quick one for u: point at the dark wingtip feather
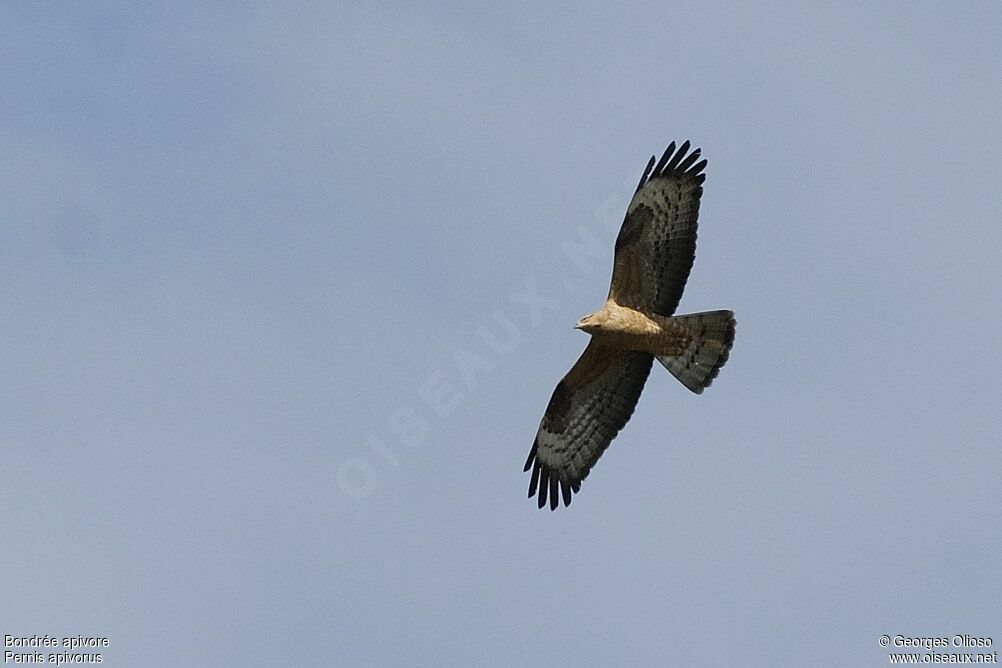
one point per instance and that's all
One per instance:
(677, 158)
(697, 168)
(647, 173)
(532, 456)
(535, 480)
(547, 486)
(685, 164)
(664, 158)
(677, 163)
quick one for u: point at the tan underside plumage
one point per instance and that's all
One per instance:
(626, 328)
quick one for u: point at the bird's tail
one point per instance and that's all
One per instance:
(712, 337)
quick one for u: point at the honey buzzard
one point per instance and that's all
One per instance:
(654, 253)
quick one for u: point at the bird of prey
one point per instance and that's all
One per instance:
(654, 253)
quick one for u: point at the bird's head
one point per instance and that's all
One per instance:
(592, 322)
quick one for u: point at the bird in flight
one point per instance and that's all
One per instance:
(654, 253)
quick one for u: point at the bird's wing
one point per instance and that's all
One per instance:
(657, 242)
(588, 408)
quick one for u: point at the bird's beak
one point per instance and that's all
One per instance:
(579, 325)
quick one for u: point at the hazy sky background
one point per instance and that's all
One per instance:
(285, 290)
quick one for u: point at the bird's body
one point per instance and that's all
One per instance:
(625, 328)
(655, 250)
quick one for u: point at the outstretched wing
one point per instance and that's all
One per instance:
(657, 242)
(588, 408)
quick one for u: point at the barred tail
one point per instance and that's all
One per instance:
(713, 336)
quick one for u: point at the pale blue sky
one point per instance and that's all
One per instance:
(287, 288)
